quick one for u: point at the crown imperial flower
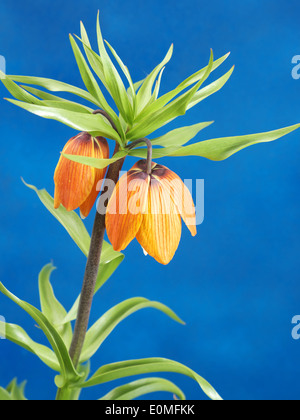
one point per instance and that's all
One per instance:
(149, 208)
(75, 183)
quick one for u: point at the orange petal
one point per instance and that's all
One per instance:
(180, 195)
(101, 152)
(160, 231)
(125, 208)
(74, 181)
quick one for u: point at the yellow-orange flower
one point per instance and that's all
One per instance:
(149, 208)
(75, 183)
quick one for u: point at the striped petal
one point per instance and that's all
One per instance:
(160, 230)
(74, 181)
(126, 207)
(101, 151)
(180, 195)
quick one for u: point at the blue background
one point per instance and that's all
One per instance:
(237, 283)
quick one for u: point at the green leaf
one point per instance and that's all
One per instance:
(75, 227)
(169, 112)
(17, 335)
(54, 86)
(17, 391)
(199, 74)
(125, 71)
(157, 85)
(210, 89)
(57, 102)
(157, 153)
(86, 74)
(222, 148)
(68, 372)
(94, 124)
(95, 162)
(93, 58)
(17, 91)
(4, 395)
(145, 91)
(128, 368)
(112, 318)
(142, 387)
(136, 86)
(68, 106)
(110, 259)
(46, 95)
(51, 307)
(181, 135)
(114, 81)
(69, 220)
(171, 141)
(96, 64)
(163, 100)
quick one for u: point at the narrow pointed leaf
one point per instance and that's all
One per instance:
(94, 124)
(222, 148)
(181, 135)
(157, 153)
(194, 78)
(68, 106)
(17, 391)
(128, 368)
(88, 77)
(74, 226)
(5, 395)
(124, 69)
(114, 81)
(94, 162)
(142, 387)
(171, 141)
(113, 317)
(17, 91)
(86, 74)
(54, 86)
(50, 99)
(202, 75)
(51, 307)
(145, 91)
(94, 59)
(210, 89)
(68, 372)
(44, 95)
(136, 86)
(157, 85)
(110, 259)
(169, 112)
(69, 220)
(17, 335)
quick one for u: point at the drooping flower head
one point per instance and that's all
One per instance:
(149, 207)
(75, 183)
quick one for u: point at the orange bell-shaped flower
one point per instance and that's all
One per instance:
(149, 208)
(75, 183)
